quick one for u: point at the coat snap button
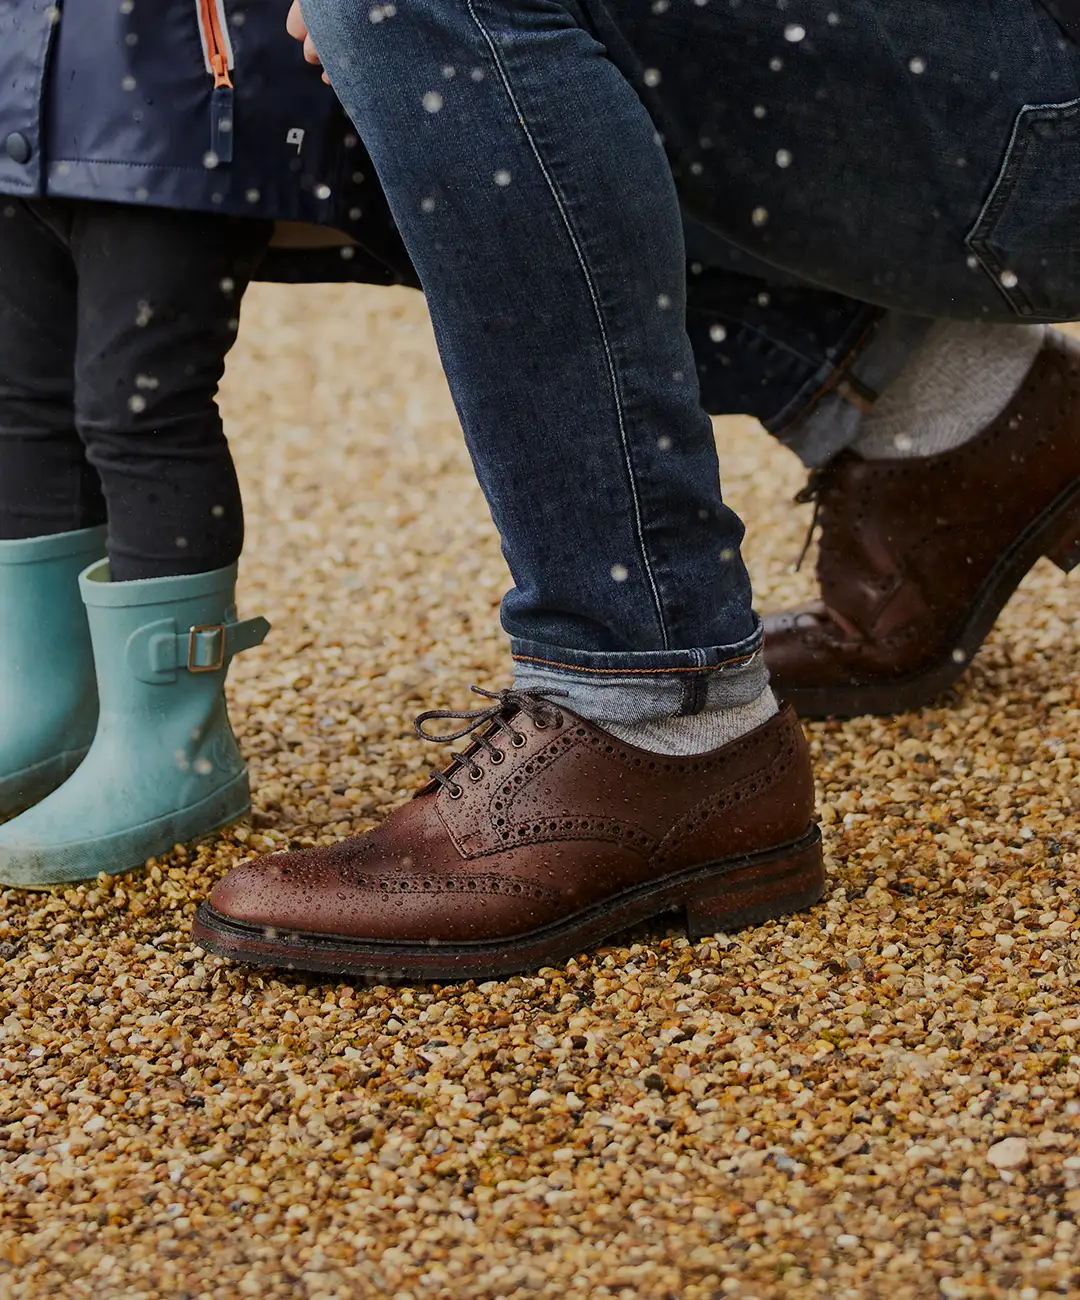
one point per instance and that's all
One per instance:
(18, 147)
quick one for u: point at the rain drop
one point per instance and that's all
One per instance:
(652, 76)
(502, 177)
(663, 301)
(783, 158)
(664, 443)
(210, 160)
(1009, 280)
(136, 403)
(432, 101)
(794, 33)
(322, 191)
(917, 65)
(128, 83)
(717, 333)
(620, 572)
(759, 216)
(959, 657)
(427, 205)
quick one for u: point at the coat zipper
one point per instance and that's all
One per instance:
(218, 55)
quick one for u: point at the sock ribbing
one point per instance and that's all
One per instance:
(697, 733)
(957, 382)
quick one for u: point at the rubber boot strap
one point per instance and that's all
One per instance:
(157, 652)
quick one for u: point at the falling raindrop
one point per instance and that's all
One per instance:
(252, 196)
(763, 299)
(664, 443)
(759, 216)
(1009, 280)
(794, 33)
(759, 111)
(663, 301)
(917, 65)
(903, 442)
(128, 83)
(783, 158)
(203, 766)
(210, 160)
(427, 205)
(727, 554)
(181, 543)
(652, 76)
(959, 656)
(322, 191)
(717, 333)
(136, 403)
(218, 512)
(432, 101)
(776, 64)
(228, 284)
(620, 572)
(502, 177)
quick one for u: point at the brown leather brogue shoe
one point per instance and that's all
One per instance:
(918, 557)
(544, 836)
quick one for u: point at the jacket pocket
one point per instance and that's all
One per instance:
(1027, 237)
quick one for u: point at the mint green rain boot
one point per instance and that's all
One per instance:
(164, 767)
(48, 700)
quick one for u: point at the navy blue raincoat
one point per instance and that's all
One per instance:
(192, 104)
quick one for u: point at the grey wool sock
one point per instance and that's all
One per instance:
(697, 733)
(958, 381)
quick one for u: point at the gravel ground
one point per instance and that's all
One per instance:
(878, 1098)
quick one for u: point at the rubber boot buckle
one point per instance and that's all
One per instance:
(193, 648)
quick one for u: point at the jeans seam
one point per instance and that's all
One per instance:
(594, 298)
(639, 672)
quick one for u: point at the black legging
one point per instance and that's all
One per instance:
(115, 322)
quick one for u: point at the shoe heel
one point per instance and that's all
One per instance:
(1065, 552)
(760, 891)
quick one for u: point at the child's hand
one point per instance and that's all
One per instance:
(297, 29)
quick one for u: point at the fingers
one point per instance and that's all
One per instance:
(311, 55)
(294, 24)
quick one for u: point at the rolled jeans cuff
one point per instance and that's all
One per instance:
(646, 686)
(825, 417)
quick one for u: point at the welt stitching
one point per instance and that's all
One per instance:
(594, 299)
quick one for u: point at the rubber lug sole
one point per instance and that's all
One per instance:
(1054, 534)
(724, 895)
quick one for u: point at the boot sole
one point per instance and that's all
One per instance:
(724, 895)
(23, 789)
(1054, 534)
(45, 866)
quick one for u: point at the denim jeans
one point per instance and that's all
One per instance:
(834, 173)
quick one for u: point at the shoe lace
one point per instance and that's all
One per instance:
(815, 486)
(485, 726)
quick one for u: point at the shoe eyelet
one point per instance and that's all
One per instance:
(476, 773)
(497, 757)
(519, 741)
(540, 726)
(456, 792)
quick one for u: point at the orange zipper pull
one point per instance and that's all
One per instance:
(221, 71)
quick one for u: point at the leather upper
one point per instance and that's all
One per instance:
(567, 818)
(907, 544)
